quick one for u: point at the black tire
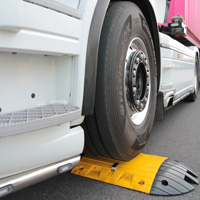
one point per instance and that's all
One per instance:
(110, 132)
(193, 96)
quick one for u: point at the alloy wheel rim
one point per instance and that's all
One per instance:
(137, 81)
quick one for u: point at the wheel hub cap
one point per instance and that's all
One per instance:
(138, 81)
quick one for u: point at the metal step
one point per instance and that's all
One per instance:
(37, 118)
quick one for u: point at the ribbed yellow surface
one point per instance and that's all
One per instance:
(137, 174)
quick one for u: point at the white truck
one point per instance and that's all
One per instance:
(83, 75)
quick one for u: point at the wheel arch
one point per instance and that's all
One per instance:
(198, 64)
(197, 55)
(93, 46)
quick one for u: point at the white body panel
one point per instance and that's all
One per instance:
(46, 34)
(159, 7)
(42, 51)
(28, 151)
(73, 4)
(45, 76)
(177, 68)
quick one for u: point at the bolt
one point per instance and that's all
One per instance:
(147, 74)
(134, 73)
(137, 102)
(141, 56)
(134, 90)
(145, 61)
(137, 61)
(141, 106)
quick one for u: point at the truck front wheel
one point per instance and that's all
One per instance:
(126, 86)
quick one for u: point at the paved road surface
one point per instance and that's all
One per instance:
(177, 137)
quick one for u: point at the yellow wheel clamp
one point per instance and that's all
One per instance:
(146, 173)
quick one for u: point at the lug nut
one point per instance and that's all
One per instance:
(145, 61)
(137, 60)
(141, 56)
(134, 90)
(134, 73)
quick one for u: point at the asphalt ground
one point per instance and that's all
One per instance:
(177, 137)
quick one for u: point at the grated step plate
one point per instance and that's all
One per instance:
(37, 118)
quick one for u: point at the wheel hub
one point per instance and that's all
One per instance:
(138, 81)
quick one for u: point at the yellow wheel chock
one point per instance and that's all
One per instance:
(145, 173)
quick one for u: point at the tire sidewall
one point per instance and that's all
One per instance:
(132, 138)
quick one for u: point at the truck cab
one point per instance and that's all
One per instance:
(83, 75)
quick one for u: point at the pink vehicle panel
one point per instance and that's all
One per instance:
(189, 10)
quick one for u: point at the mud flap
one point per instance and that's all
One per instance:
(159, 115)
(145, 173)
